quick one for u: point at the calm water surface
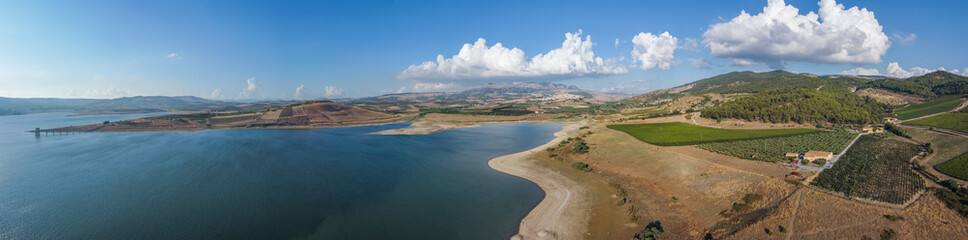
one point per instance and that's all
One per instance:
(337, 183)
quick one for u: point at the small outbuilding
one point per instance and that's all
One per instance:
(793, 155)
(814, 155)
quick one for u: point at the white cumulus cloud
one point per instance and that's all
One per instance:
(332, 91)
(172, 55)
(689, 44)
(433, 87)
(833, 35)
(701, 63)
(299, 93)
(250, 88)
(654, 51)
(895, 70)
(574, 58)
(861, 71)
(216, 94)
(905, 38)
(739, 62)
(109, 92)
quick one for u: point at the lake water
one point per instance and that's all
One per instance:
(335, 183)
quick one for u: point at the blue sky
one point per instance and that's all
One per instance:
(255, 50)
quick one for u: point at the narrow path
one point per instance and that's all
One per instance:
(793, 220)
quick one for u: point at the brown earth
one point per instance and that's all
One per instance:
(888, 97)
(820, 215)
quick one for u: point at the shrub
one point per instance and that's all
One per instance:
(893, 218)
(580, 146)
(581, 166)
(888, 234)
(821, 161)
(651, 232)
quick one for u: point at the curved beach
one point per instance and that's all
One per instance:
(560, 214)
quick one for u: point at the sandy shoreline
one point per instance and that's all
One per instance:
(558, 215)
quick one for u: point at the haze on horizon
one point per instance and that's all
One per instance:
(308, 50)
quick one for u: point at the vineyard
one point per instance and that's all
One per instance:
(956, 167)
(953, 121)
(678, 134)
(772, 149)
(876, 168)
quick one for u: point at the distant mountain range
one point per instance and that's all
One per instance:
(13, 106)
(501, 93)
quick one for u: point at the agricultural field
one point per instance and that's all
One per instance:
(648, 111)
(941, 104)
(678, 133)
(956, 167)
(953, 121)
(876, 168)
(773, 149)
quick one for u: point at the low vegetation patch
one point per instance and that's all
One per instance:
(581, 166)
(953, 196)
(580, 146)
(877, 167)
(956, 167)
(646, 112)
(743, 206)
(942, 104)
(677, 133)
(773, 149)
(953, 121)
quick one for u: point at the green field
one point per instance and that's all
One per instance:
(956, 167)
(941, 104)
(773, 149)
(677, 133)
(646, 111)
(876, 168)
(953, 121)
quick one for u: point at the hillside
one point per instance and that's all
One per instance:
(832, 98)
(801, 106)
(752, 82)
(930, 85)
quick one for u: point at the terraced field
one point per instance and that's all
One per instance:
(677, 133)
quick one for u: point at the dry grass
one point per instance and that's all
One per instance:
(946, 146)
(824, 216)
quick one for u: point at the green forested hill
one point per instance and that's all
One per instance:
(752, 82)
(930, 85)
(800, 105)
